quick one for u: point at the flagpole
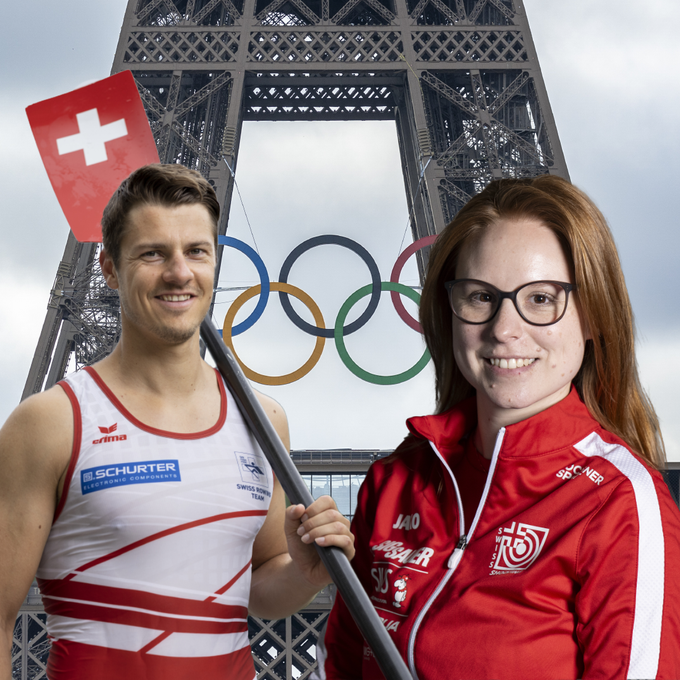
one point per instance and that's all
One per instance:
(335, 561)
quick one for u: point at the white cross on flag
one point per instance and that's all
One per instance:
(90, 140)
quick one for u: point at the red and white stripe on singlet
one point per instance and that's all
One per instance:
(146, 571)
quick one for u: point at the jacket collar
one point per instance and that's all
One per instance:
(562, 425)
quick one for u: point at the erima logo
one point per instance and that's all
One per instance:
(122, 474)
(109, 437)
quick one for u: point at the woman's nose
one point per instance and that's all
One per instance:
(507, 324)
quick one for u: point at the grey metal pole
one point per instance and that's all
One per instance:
(335, 561)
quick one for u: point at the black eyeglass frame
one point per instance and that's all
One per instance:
(511, 295)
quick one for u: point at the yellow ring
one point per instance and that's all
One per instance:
(318, 347)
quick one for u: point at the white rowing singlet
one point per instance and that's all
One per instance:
(146, 571)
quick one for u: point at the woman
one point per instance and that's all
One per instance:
(523, 531)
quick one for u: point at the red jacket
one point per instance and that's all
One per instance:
(570, 568)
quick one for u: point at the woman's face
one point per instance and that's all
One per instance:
(509, 254)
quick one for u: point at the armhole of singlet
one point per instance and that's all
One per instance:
(75, 449)
(224, 392)
(223, 399)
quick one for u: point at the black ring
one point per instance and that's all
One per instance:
(329, 239)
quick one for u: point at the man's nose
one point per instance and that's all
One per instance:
(177, 270)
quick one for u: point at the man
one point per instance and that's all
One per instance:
(134, 489)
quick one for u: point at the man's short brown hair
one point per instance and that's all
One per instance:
(165, 185)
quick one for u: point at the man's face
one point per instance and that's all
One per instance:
(165, 272)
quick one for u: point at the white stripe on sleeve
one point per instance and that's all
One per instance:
(649, 595)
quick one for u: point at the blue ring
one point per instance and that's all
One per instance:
(231, 242)
(330, 239)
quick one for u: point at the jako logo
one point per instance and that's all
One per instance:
(108, 430)
(407, 522)
(517, 547)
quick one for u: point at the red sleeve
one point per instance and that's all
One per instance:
(628, 607)
(344, 645)
(347, 657)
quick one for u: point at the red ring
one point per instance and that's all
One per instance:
(396, 273)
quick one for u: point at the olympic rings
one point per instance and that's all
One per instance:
(318, 347)
(329, 239)
(394, 278)
(342, 350)
(264, 282)
(320, 331)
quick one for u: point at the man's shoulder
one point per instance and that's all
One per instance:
(41, 426)
(277, 416)
(43, 410)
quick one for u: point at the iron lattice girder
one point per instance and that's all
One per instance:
(498, 4)
(482, 119)
(350, 48)
(340, 44)
(200, 16)
(187, 117)
(265, 16)
(285, 648)
(93, 310)
(166, 12)
(453, 16)
(316, 97)
(385, 13)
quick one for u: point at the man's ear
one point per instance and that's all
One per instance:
(108, 270)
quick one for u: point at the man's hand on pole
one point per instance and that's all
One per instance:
(321, 524)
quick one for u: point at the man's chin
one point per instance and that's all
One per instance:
(175, 336)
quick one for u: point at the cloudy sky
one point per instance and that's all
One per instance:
(611, 72)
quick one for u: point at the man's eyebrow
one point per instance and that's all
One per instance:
(161, 246)
(206, 242)
(148, 246)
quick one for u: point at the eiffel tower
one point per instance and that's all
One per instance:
(462, 82)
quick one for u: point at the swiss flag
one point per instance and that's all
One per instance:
(90, 140)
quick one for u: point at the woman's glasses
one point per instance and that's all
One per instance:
(540, 303)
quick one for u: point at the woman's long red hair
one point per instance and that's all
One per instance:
(608, 380)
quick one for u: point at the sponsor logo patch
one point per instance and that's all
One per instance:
(573, 471)
(121, 474)
(407, 522)
(517, 548)
(395, 551)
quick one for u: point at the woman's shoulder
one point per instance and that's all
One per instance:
(630, 477)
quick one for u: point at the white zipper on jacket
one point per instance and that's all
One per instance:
(457, 554)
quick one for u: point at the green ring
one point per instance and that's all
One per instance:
(340, 341)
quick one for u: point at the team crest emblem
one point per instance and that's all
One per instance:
(518, 546)
(252, 468)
